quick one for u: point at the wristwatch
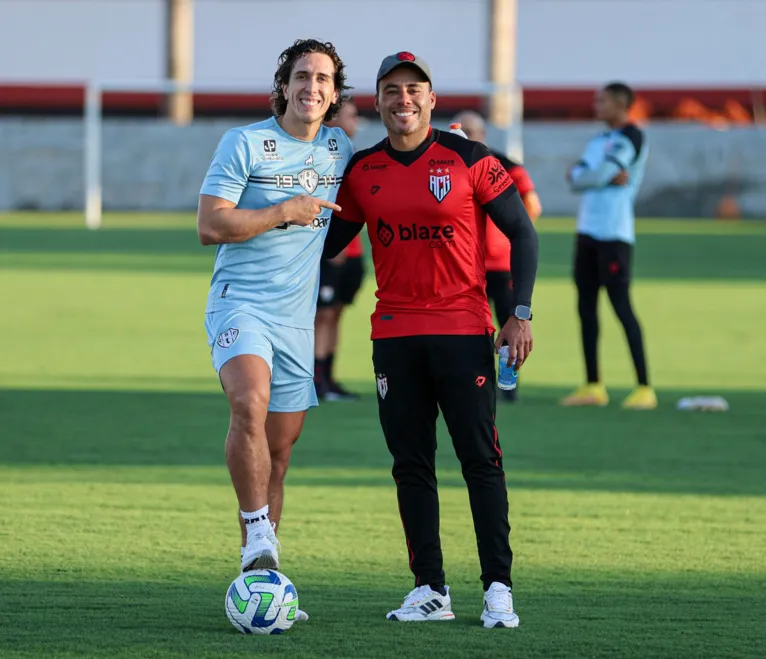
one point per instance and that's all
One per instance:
(522, 312)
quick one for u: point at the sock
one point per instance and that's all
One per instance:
(328, 365)
(242, 552)
(439, 589)
(320, 370)
(256, 522)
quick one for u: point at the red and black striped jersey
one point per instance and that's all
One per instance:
(427, 228)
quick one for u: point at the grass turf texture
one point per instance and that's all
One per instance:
(635, 534)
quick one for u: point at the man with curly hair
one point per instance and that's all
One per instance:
(266, 203)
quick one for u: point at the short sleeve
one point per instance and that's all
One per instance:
(350, 210)
(621, 151)
(522, 180)
(228, 172)
(489, 177)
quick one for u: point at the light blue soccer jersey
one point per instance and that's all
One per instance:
(275, 275)
(607, 211)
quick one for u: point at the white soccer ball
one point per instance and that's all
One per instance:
(262, 602)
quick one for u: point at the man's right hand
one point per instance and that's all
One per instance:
(620, 179)
(302, 209)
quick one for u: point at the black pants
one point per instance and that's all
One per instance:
(416, 376)
(500, 293)
(606, 263)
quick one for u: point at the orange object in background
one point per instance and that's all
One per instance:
(640, 111)
(733, 112)
(736, 113)
(728, 208)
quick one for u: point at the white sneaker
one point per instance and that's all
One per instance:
(423, 603)
(261, 551)
(498, 607)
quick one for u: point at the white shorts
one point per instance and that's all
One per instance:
(289, 352)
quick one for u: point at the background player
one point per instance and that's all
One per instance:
(608, 176)
(339, 281)
(432, 328)
(498, 259)
(262, 301)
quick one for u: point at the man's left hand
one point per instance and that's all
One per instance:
(518, 335)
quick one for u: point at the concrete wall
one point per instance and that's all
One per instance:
(152, 165)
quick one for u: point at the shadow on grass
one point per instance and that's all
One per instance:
(545, 446)
(591, 615)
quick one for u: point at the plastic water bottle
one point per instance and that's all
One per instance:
(457, 129)
(507, 376)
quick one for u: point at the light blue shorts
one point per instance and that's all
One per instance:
(289, 352)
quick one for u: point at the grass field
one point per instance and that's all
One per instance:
(635, 534)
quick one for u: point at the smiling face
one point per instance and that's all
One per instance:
(405, 101)
(311, 89)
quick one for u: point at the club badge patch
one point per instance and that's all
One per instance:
(440, 186)
(382, 385)
(226, 339)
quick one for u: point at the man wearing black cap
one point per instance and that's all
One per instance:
(425, 196)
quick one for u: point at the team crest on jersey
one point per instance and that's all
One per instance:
(308, 180)
(440, 184)
(226, 339)
(382, 384)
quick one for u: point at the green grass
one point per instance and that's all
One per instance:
(635, 534)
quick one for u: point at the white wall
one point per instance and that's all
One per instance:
(560, 42)
(74, 40)
(647, 42)
(363, 31)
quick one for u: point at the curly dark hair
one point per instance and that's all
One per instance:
(286, 63)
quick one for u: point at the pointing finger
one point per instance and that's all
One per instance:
(329, 204)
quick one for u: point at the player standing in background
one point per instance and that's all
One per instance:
(339, 281)
(425, 196)
(608, 176)
(266, 202)
(499, 283)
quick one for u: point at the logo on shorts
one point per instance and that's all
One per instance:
(480, 381)
(326, 293)
(382, 384)
(226, 339)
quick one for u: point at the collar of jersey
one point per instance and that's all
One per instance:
(284, 133)
(406, 158)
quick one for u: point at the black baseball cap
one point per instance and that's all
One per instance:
(403, 58)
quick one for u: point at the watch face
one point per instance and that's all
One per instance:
(522, 313)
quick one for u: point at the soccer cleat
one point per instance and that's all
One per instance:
(301, 616)
(642, 398)
(336, 391)
(498, 607)
(423, 604)
(261, 552)
(591, 394)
